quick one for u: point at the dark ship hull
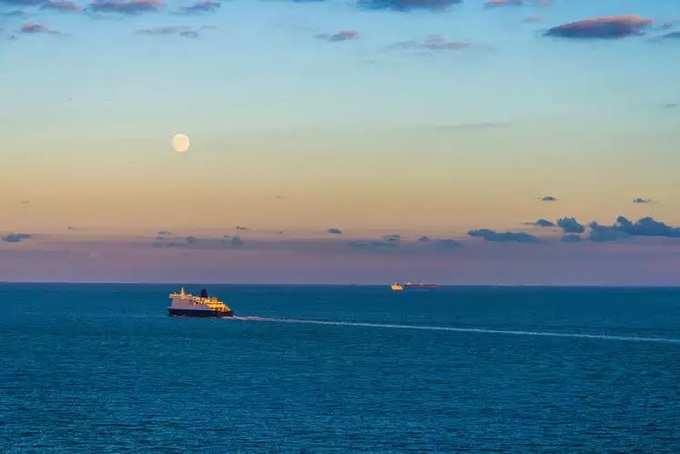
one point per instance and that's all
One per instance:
(199, 313)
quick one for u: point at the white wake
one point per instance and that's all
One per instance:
(464, 330)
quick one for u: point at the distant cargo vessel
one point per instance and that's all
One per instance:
(401, 286)
(188, 305)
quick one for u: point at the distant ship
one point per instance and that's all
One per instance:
(401, 286)
(397, 287)
(188, 305)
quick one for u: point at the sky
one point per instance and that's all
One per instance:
(498, 142)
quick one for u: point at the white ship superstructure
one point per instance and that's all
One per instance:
(183, 303)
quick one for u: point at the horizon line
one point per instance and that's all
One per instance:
(382, 284)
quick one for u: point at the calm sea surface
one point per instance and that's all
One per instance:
(102, 368)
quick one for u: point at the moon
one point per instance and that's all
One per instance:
(181, 143)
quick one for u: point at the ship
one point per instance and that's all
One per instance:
(401, 286)
(187, 305)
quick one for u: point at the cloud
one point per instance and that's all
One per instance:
(240, 227)
(533, 19)
(549, 198)
(408, 5)
(503, 237)
(603, 233)
(443, 244)
(610, 27)
(387, 242)
(571, 238)
(372, 244)
(16, 237)
(544, 223)
(38, 29)
(63, 6)
(14, 13)
(334, 231)
(670, 105)
(183, 31)
(342, 35)
(195, 243)
(129, 7)
(570, 225)
(671, 35)
(201, 6)
(641, 200)
(447, 244)
(624, 228)
(433, 43)
(647, 226)
(22, 2)
(502, 3)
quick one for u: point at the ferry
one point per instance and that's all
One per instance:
(187, 305)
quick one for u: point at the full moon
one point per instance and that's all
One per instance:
(181, 143)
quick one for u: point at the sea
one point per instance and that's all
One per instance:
(102, 368)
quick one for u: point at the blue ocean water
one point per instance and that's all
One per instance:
(102, 368)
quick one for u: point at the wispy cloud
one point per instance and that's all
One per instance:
(372, 244)
(433, 43)
(408, 5)
(14, 13)
(642, 200)
(549, 198)
(503, 237)
(671, 36)
(203, 6)
(502, 3)
(20, 3)
(533, 19)
(178, 30)
(16, 237)
(544, 223)
(63, 6)
(610, 27)
(334, 231)
(129, 7)
(38, 29)
(342, 35)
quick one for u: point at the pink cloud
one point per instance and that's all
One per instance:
(610, 27)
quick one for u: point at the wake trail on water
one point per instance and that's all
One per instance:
(462, 330)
